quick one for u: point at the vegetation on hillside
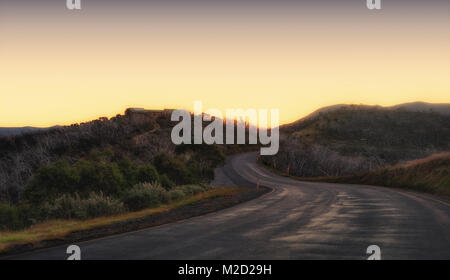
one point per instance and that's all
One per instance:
(67, 229)
(101, 168)
(133, 139)
(134, 135)
(105, 183)
(358, 139)
(431, 175)
(96, 204)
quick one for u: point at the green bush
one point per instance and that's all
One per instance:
(200, 169)
(86, 176)
(100, 176)
(202, 160)
(129, 171)
(50, 181)
(166, 182)
(176, 194)
(98, 205)
(145, 195)
(94, 174)
(74, 207)
(192, 189)
(147, 173)
(10, 218)
(211, 154)
(175, 168)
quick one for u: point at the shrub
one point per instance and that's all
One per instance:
(96, 173)
(176, 194)
(100, 205)
(128, 170)
(194, 189)
(147, 173)
(145, 195)
(10, 218)
(100, 176)
(191, 189)
(50, 181)
(202, 159)
(200, 169)
(206, 187)
(175, 168)
(211, 154)
(84, 177)
(166, 182)
(74, 207)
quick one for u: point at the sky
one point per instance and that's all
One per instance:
(60, 66)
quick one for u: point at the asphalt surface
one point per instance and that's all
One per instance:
(297, 220)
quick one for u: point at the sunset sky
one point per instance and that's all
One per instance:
(59, 66)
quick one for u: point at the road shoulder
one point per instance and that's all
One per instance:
(200, 207)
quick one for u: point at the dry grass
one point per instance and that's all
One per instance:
(424, 160)
(430, 175)
(56, 229)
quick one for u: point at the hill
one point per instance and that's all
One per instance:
(122, 143)
(101, 168)
(443, 108)
(345, 139)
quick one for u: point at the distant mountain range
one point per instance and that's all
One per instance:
(18, 130)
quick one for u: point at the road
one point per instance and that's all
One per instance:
(297, 220)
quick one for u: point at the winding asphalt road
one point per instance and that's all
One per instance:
(297, 220)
